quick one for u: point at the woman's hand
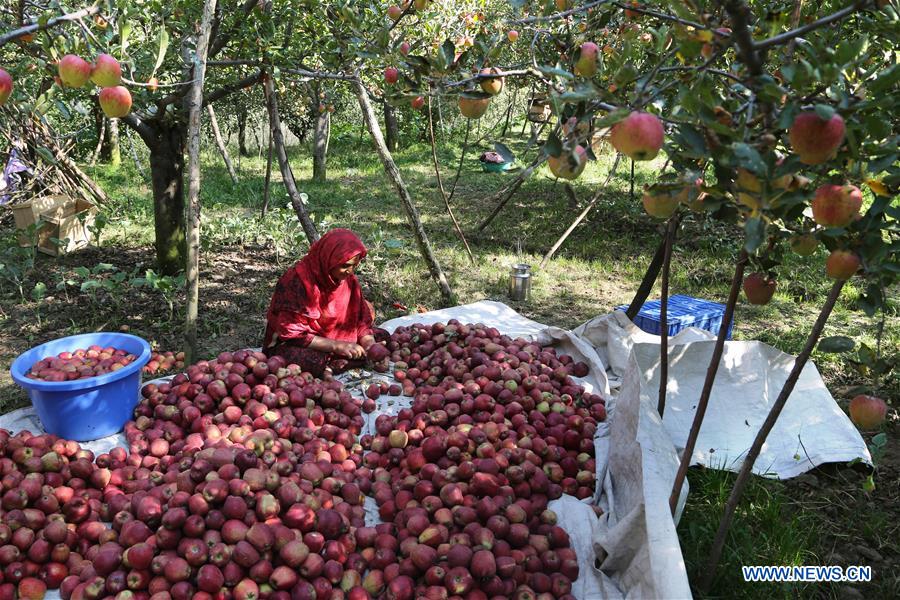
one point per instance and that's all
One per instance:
(349, 350)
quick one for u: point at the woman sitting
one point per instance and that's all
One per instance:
(318, 318)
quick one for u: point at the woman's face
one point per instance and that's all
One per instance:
(342, 272)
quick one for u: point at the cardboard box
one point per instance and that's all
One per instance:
(28, 213)
(71, 221)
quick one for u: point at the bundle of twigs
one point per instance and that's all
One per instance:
(50, 170)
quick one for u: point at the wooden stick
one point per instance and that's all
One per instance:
(763, 433)
(671, 228)
(393, 173)
(710, 380)
(581, 216)
(194, 103)
(437, 172)
(220, 143)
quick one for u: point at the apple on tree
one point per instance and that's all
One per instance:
(6, 86)
(586, 65)
(493, 85)
(74, 71)
(568, 165)
(638, 136)
(394, 12)
(106, 72)
(759, 288)
(836, 205)
(473, 108)
(512, 35)
(842, 264)
(814, 139)
(417, 102)
(391, 75)
(115, 101)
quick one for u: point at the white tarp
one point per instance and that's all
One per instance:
(811, 430)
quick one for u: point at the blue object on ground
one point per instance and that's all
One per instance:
(683, 311)
(91, 408)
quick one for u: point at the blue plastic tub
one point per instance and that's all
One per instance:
(683, 312)
(85, 409)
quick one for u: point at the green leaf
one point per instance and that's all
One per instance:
(39, 291)
(555, 72)
(879, 440)
(83, 272)
(755, 230)
(824, 111)
(89, 285)
(836, 344)
(552, 147)
(749, 158)
(885, 81)
(163, 47)
(448, 52)
(612, 118)
(46, 155)
(124, 32)
(393, 244)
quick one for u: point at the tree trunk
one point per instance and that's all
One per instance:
(220, 143)
(100, 123)
(194, 106)
(167, 172)
(320, 145)
(391, 128)
(112, 138)
(393, 173)
(289, 182)
(242, 132)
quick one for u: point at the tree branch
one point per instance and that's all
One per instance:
(230, 88)
(221, 40)
(319, 74)
(739, 13)
(559, 15)
(37, 26)
(781, 38)
(146, 132)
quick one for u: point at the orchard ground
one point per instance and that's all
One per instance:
(821, 518)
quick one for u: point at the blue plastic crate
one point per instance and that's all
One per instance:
(684, 311)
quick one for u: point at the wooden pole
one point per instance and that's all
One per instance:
(195, 106)
(393, 173)
(671, 229)
(289, 183)
(265, 206)
(437, 173)
(220, 143)
(580, 217)
(710, 380)
(763, 433)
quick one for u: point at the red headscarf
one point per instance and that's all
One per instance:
(307, 302)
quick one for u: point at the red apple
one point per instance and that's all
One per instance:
(417, 102)
(586, 65)
(391, 75)
(74, 71)
(568, 165)
(759, 288)
(512, 35)
(153, 84)
(638, 136)
(492, 86)
(842, 264)
(6, 86)
(868, 412)
(814, 139)
(473, 108)
(106, 72)
(404, 48)
(115, 101)
(394, 12)
(836, 205)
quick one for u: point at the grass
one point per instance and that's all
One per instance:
(598, 268)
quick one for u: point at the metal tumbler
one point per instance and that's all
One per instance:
(520, 282)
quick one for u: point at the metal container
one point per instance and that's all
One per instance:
(520, 282)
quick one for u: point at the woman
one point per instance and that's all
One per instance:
(318, 318)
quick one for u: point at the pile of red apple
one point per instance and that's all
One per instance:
(245, 478)
(163, 362)
(80, 364)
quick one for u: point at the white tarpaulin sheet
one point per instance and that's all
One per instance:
(811, 430)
